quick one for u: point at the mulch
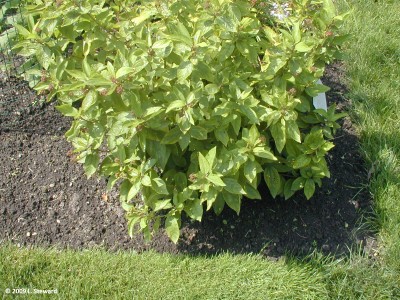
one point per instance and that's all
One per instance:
(46, 200)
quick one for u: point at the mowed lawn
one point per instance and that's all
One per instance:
(373, 74)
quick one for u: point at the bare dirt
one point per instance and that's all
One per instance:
(45, 199)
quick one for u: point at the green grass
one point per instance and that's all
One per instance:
(154, 276)
(374, 80)
(373, 71)
(97, 274)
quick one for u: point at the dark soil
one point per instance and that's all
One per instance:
(45, 199)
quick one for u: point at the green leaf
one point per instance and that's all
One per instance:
(175, 105)
(162, 204)
(180, 180)
(180, 38)
(132, 221)
(264, 152)
(184, 141)
(227, 23)
(43, 55)
(199, 133)
(61, 68)
(140, 64)
(91, 164)
(225, 52)
(21, 30)
(314, 139)
(249, 113)
(250, 170)
(251, 193)
(161, 44)
(158, 151)
(232, 186)
(303, 47)
(253, 134)
(172, 228)
(124, 71)
(127, 206)
(111, 69)
(96, 81)
(183, 31)
(296, 32)
(172, 136)
(157, 224)
(233, 201)
(146, 180)
(327, 146)
(236, 124)
(205, 167)
(144, 15)
(316, 89)
(159, 186)
(247, 49)
(293, 131)
(279, 134)
(86, 67)
(133, 191)
(67, 110)
(121, 154)
(273, 180)
(209, 197)
(204, 71)
(215, 179)
(218, 204)
(212, 89)
(271, 34)
(309, 188)
(298, 184)
(111, 181)
(287, 190)
(222, 136)
(211, 155)
(301, 161)
(194, 209)
(163, 48)
(152, 112)
(184, 70)
(329, 8)
(89, 100)
(124, 190)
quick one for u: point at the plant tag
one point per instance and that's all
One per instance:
(320, 100)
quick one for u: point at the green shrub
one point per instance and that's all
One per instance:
(189, 103)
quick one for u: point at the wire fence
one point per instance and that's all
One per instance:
(18, 102)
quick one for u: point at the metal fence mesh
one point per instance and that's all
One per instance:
(18, 102)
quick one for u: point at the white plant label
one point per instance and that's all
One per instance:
(320, 100)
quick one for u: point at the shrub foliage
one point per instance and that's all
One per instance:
(188, 104)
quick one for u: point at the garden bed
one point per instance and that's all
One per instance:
(45, 199)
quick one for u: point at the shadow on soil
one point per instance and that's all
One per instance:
(45, 199)
(330, 222)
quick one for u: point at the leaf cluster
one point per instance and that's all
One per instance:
(188, 104)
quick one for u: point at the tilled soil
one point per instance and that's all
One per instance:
(45, 199)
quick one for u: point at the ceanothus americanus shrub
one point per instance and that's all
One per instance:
(189, 104)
